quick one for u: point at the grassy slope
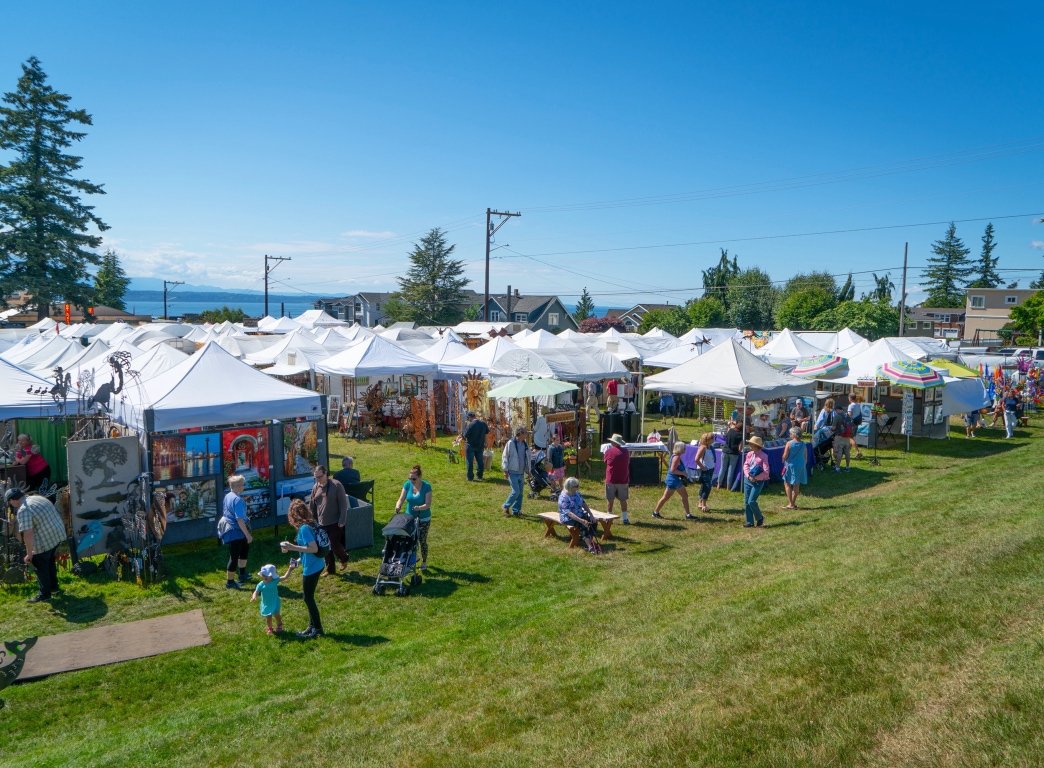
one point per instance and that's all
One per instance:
(894, 621)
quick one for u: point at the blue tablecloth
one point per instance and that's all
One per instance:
(775, 457)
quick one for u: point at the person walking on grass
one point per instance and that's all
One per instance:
(617, 476)
(238, 536)
(268, 590)
(416, 495)
(474, 436)
(795, 469)
(311, 564)
(755, 475)
(705, 466)
(515, 463)
(42, 531)
(1011, 412)
(675, 482)
(329, 507)
(855, 415)
(971, 423)
(730, 455)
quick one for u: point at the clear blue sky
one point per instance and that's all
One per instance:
(337, 133)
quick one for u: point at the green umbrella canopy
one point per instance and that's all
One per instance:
(531, 386)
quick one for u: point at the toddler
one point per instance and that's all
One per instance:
(268, 589)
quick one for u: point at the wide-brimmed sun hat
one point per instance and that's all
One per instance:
(755, 441)
(618, 440)
(268, 572)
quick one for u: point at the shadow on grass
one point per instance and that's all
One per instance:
(185, 588)
(78, 610)
(788, 523)
(345, 638)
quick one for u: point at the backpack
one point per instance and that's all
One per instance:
(322, 541)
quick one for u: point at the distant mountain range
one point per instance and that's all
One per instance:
(156, 284)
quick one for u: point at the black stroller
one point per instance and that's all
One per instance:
(539, 477)
(823, 446)
(399, 558)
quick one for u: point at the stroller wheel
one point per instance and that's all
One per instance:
(378, 589)
(415, 580)
(402, 591)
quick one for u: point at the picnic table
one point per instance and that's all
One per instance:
(551, 519)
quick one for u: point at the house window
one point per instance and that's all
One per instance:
(942, 318)
(978, 302)
(358, 308)
(520, 317)
(552, 319)
(494, 315)
(926, 325)
(1009, 300)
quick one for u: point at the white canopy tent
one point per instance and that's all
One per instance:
(296, 343)
(479, 359)
(672, 358)
(375, 356)
(449, 347)
(53, 348)
(24, 395)
(786, 348)
(317, 318)
(865, 364)
(213, 388)
(729, 371)
(74, 358)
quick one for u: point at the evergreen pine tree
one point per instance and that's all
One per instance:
(584, 307)
(847, 292)
(110, 283)
(948, 270)
(45, 241)
(986, 267)
(434, 284)
(716, 279)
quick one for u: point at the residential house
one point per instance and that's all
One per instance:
(987, 310)
(367, 308)
(937, 322)
(534, 312)
(632, 318)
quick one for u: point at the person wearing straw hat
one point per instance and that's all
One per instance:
(755, 475)
(617, 475)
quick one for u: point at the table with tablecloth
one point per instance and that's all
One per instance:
(775, 458)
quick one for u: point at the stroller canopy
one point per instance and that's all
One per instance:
(400, 525)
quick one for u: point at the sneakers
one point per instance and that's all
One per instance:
(626, 521)
(310, 634)
(657, 515)
(269, 631)
(837, 469)
(689, 517)
(760, 523)
(230, 584)
(304, 633)
(39, 598)
(424, 566)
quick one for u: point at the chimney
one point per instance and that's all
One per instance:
(516, 294)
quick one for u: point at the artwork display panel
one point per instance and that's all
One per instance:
(184, 501)
(300, 448)
(288, 490)
(184, 456)
(105, 499)
(245, 452)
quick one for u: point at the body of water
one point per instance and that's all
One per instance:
(252, 308)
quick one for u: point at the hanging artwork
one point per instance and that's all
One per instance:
(300, 447)
(245, 452)
(105, 497)
(197, 454)
(185, 501)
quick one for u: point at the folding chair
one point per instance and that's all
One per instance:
(886, 431)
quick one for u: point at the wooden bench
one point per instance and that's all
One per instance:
(551, 519)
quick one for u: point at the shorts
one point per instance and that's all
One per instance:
(616, 491)
(558, 473)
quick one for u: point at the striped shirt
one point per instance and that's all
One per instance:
(38, 515)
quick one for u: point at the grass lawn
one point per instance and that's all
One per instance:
(897, 619)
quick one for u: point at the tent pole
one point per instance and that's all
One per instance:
(641, 402)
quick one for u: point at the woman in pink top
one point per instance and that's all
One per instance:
(755, 475)
(36, 466)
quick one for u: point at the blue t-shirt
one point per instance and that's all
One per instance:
(233, 507)
(268, 591)
(310, 563)
(417, 500)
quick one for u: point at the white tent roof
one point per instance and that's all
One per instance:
(787, 348)
(297, 342)
(865, 364)
(659, 333)
(333, 340)
(449, 347)
(282, 325)
(52, 348)
(75, 357)
(524, 333)
(855, 349)
(714, 335)
(317, 318)
(541, 340)
(479, 359)
(846, 337)
(574, 363)
(375, 356)
(45, 324)
(17, 394)
(213, 388)
(572, 335)
(730, 371)
(24, 347)
(114, 332)
(355, 332)
(478, 327)
(672, 358)
(923, 347)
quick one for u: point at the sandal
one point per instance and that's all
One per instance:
(270, 631)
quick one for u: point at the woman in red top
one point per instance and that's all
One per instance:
(36, 466)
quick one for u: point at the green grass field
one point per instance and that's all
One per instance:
(896, 620)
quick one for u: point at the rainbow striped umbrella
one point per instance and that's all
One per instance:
(820, 367)
(909, 373)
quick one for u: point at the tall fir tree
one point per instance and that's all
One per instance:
(986, 266)
(946, 275)
(716, 279)
(110, 282)
(846, 292)
(434, 284)
(46, 237)
(584, 307)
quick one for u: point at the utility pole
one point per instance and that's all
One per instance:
(490, 231)
(171, 283)
(268, 271)
(902, 292)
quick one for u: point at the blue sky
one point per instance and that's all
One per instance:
(337, 133)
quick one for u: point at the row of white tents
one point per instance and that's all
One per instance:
(709, 361)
